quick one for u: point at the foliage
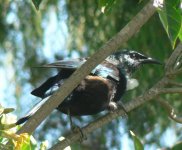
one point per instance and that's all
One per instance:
(36, 3)
(9, 139)
(171, 18)
(137, 142)
(139, 146)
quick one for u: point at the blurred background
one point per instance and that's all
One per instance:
(70, 29)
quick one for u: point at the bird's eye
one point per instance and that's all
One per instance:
(133, 55)
(137, 56)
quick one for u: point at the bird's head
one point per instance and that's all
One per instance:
(130, 60)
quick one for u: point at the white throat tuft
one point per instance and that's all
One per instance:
(131, 83)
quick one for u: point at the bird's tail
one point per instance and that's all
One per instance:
(31, 112)
(41, 91)
(22, 120)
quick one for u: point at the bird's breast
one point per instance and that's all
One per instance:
(91, 96)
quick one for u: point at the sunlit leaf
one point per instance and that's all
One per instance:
(138, 144)
(170, 16)
(106, 5)
(8, 110)
(18, 142)
(22, 142)
(180, 35)
(37, 3)
(1, 110)
(158, 3)
(5, 110)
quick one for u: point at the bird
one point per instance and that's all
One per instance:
(100, 90)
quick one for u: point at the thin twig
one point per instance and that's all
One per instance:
(176, 72)
(174, 83)
(178, 62)
(170, 110)
(170, 90)
(172, 60)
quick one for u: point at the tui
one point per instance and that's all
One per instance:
(98, 91)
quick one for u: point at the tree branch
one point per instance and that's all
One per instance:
(157, 89)
(113, 44)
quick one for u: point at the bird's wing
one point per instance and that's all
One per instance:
(67, 64)
(106, 70)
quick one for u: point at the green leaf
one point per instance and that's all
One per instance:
(138, 144)
(36, 3)
(170, 16)
(5, 110)
(26, 144)
(180, 35)
(1, 110)
(106, 5)
(177, 146)
(8, 110)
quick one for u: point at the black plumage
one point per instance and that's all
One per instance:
(97, 92)
(101, 89)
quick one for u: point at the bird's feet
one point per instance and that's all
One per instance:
(77, 129)
(113, 106)
(120, 104)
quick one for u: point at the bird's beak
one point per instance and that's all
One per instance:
(149, 60)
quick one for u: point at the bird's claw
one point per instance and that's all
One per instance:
(125, 111)
(77, 129)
